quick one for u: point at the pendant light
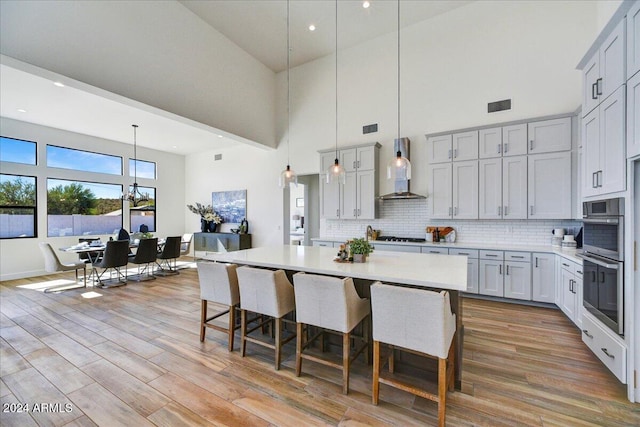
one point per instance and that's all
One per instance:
(134, 195)
(399, 168)
(336, 173)
(288, 176)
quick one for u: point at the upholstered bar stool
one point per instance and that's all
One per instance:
(418, 321)
(333, 304)
(269, 293)
(218, 284)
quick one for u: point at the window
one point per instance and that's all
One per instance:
(145, 169)
(79, 160)
(17, 206)
(144, 212)
(77, 208)
(17, 151)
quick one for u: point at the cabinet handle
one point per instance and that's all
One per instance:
(506, 145)
(565, 265)
(586, 332)
(354, 212)
(499, 148)
(594, 180)
(434, 252)
(531, 210)
(594, 95)
(506, 210)
(517, 256)
(491, 255)
(531, 145)
(500, 269)
(449, 153)
(463, 253)
(600, 178)
(358, 164)
(579, 272)
(359, 213)
(599, 86)
(338, 213)
(536, 262)
(455, 153)
(499, 211)
(507, 269)
(455, 211)
(602, 277)
(571, 285)
(593, 276)
(450, 210)
(604, 350)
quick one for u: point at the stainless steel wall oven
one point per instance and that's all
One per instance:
(603, 255)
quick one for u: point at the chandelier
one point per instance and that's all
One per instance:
(134, 195)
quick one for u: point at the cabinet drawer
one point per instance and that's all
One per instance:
(396, 248)
(323, 243)
(431, 250)
(471, 253)
(567, 265)
(493, 255)
(611, 352)
(517, 256)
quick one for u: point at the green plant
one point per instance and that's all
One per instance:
(146, 235)
(360, 246)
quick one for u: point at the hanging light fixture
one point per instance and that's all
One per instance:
(288, 176)
(399, 168)
(134, 195)
(336, 172)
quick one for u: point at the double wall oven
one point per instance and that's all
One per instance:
(603, 256)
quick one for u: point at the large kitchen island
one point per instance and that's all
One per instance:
(431, 271)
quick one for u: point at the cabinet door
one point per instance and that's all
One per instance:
(577, 286)
(543, 278)
(491, 281)
(465, 146)
(366, 194)
(366, 158)
(514, 187)
(633, 115)
(440, 190)
(517, 280)
(514, 140)
(549, 186)
(568, 294)
(590, 153)
(472, 275)
(612, 175)
(465, 190)
(348, 196)
(590, 76)
(329, 193)
(490, 143)
(633, 40)
(547, 136)
(490, 192)
(439, 149)
(612, 66)
(349, 159)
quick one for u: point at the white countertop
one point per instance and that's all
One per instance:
(428, 270)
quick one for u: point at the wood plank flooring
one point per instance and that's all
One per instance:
(131, 356)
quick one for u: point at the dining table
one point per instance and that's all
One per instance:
(429, 271)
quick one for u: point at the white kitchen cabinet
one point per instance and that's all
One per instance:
(605, 71)
(324, 243)
(465, 190)
(359, 158)
(543, 277)
(517, 280)
(464, 146)
(491, 280)
(607, 346)
(434, 250)
(490, 143)
(503, 188)
(633, 114)
(439, 149)
(633, 40)
(603, 147)
(571, 290)
(503, 141)
(473, 265)
(490, 189)
(548, 136)
(440, 190)
(395, 248)
(549, 186)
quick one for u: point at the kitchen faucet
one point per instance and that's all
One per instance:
(369, 233)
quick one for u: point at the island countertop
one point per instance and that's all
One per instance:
(426, 270)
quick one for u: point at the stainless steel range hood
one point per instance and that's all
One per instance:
(401, 185)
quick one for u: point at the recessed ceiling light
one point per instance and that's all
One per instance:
(312, 27)
(174, 146)
(59, 84)
(219, 136)
(21, 110)
(366, 4)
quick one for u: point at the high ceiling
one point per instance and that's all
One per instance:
(256, 26)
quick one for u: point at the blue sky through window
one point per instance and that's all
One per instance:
(17, 151)
(68, 158)
(145, 169)
(99, 190)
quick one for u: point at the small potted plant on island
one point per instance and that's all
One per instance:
(360, 248)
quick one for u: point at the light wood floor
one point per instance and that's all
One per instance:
(131, 356)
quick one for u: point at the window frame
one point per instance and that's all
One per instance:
(34, 207)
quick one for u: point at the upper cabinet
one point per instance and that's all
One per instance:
(633, 40)
(548, 136)
(503, 141)
(549, 186)
(605, 71)
(452, 147)
(633, 116)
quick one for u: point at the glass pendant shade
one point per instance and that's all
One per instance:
(336, 173)
(288, 177)
(399, 168)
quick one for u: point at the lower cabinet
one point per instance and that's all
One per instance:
(221, 242)
(517, 280)
(324, 243)
(505, 274)
(473, 264)
(607, 346)
(396, 248)
(543, 277)
(570, 293)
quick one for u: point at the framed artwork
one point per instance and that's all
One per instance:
(299, 202)
(230, 205)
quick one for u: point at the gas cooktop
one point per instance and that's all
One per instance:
(400, 239)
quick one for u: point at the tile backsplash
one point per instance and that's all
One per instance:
(409, 218)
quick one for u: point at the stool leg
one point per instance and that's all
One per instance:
(376, 372)
(278, 327)
(243, 331)
(346, 342)
(442, 390)
(203, 318)
(391, 359)
(298, 348)
(365, 336)
(232, 325)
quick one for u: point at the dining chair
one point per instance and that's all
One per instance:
(419, 321)
(219, 284)
(116, 256)
(330, 303)
(52, 264)
(185, 243)
(268, 293)
(145, 255)
(167, 264)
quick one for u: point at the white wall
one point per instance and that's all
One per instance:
(21, 257)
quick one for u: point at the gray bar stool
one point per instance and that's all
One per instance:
(418, 321)
(333, 304)
(269, 293)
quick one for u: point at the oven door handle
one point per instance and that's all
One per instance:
(601, 220)
(614, 266)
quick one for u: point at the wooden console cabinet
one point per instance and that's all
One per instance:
(220, 242)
